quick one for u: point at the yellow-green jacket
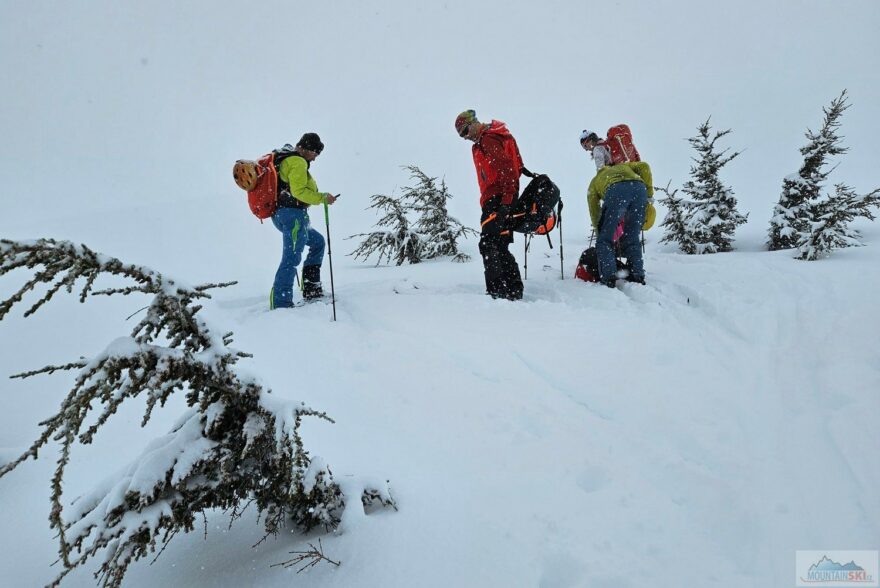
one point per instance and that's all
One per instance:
(294, 171)
(611, 174)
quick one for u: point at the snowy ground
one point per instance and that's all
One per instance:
(696, 431)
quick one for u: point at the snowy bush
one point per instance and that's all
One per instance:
(236, 445)
(394, 240)
(433, 234)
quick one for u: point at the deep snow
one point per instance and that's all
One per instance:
(693, 432)
(706, 425)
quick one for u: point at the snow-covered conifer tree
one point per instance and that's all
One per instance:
(439, 231)
(792, 214)
(398, 242)
(674, 223)
(712, 218)
(829, 228)
(236, 445)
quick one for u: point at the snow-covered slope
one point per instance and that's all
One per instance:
(708, 424)
(693, 432)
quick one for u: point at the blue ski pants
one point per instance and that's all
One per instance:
(622, 199)
(296, 233)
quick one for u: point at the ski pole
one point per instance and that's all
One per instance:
(330, 257)
(561, 255)
(526, 256)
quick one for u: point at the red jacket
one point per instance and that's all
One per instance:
(498, 163)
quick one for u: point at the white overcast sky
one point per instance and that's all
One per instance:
(108, 101)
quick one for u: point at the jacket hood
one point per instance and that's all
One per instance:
(496, 127)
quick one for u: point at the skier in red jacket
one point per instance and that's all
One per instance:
(499, 166)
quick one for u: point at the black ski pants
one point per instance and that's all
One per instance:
(503, 279)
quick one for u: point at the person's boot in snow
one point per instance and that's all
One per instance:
(312, 282)
(635, 279)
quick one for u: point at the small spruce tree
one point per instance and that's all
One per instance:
(792, 215)
(236, 445)
(398, 242)
(712, 217)
(439, 231)
(433, 234)
(829, 228)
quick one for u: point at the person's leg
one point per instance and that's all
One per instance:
(490, 229)
(613, 208)
(511, 281)
(632, 228)
(288, 222)
(499, 266)
(316, 246)
(490, 251)
(311, 272)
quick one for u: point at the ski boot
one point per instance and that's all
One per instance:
(311, 275)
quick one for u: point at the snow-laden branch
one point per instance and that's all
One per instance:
(236, 444)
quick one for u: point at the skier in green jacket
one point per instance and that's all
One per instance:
(297, 190)
(625, 189)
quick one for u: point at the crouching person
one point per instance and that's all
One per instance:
(620, 192)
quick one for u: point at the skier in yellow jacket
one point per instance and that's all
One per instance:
(624, 188)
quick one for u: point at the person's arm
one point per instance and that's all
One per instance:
(295, 172)
(593, 202)
(601, 157)
(644, 171)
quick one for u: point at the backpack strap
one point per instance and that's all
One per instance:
(285, 198)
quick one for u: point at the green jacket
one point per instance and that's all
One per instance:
(611, 174)
(294, 171)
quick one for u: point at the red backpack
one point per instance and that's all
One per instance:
(620, 144)
(264, 198)
(260, 180)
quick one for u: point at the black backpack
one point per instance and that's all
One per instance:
(537, 209)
